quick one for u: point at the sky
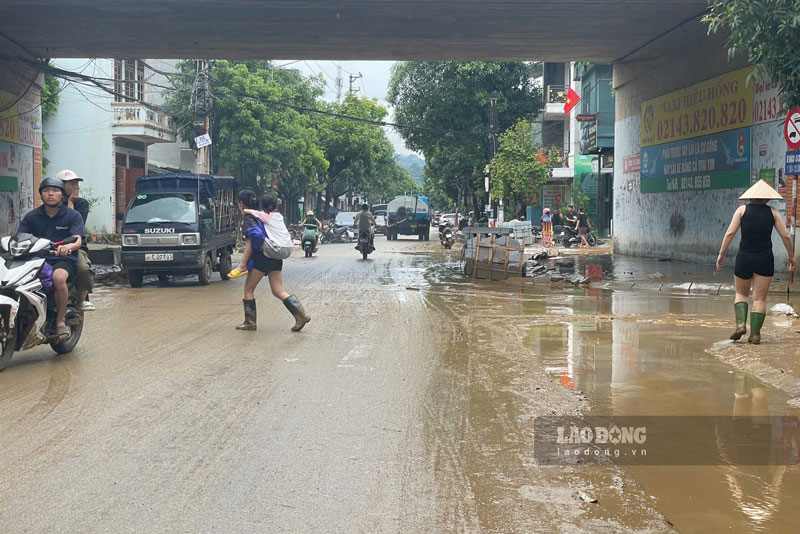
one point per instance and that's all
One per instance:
(373, 83)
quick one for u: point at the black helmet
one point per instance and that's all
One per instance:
(52, 182)
(364, 206)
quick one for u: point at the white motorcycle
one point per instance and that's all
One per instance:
(27, 313)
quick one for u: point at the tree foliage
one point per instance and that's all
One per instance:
(767, 32)
(521, 165)
(49, 98)
(293, 152)
(447, 97)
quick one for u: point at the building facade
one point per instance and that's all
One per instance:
(106, 138)
(20, 142)
(692, 132)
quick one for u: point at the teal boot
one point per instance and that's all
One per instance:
(741, 320)
(756, 322)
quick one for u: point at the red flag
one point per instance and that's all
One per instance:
(572, 100)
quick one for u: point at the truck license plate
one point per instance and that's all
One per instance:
(158, 257)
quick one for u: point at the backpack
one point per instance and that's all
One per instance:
(278, 243)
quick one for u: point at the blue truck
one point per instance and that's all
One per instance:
(180, 224)
(409, 215)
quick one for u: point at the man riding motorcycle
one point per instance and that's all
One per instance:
(365, 222)
(56, 222)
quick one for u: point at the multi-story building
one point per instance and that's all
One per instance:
(594, 168)
(107, 138)
(559, 130)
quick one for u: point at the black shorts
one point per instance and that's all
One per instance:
(265, 264)
(67, 265)
(750, 263)
(583, 230)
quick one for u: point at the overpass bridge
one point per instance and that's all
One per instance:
(552, 30)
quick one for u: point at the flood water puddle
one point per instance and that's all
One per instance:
(634, 368)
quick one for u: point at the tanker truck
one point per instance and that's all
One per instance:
(409, 215)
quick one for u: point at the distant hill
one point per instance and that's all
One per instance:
(414, 164)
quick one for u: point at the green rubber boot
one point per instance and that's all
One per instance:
(756, 322)
(249, 315)
(741, 320)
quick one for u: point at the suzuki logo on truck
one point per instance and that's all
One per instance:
(159, 230)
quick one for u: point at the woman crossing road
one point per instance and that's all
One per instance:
(755, 263)
(255, 264)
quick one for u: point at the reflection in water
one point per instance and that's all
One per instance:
(630, 368)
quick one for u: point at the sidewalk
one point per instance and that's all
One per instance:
(648, 274)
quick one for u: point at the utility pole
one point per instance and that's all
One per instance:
(339, 84)
(493, 132)
(353, 78)
(201, 122)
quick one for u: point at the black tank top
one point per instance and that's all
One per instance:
(757, 224)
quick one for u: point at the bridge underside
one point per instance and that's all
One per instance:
(591, 30)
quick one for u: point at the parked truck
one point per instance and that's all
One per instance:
(180, 224)
(409, 215)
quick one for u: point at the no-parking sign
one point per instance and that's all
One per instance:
(791, 129)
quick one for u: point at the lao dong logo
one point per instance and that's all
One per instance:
(599, 435)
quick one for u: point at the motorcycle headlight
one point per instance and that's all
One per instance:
(130, 240)
(189, 239)
(19, 248)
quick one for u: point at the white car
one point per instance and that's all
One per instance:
(449, 217)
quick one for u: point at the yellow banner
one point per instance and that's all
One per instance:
(716, 105)
(9, 118)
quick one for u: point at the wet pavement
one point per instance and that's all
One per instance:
(406, 405)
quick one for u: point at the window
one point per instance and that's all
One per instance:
(129, 80)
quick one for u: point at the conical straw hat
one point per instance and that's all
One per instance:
(761, 191)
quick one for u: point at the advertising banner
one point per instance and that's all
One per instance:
(717, 161)
(9, 119)
(716, 105)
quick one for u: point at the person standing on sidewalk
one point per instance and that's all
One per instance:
(582, 226)
(547, 229)
(84, 275)
(755, 263)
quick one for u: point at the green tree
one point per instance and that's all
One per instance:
(521, 165)
(49, 99)
(767, 32)
(361, 156)
(445, 97)
(248, 130)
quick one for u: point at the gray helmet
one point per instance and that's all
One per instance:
(52, 182)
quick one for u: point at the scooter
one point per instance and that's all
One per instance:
(335, 234)
(569, 237)
(309, 240)
(364, 244)
(446, 237)
(27, 311)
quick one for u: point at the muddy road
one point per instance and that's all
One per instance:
(406, 405)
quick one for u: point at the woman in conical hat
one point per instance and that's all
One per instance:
(755, 263)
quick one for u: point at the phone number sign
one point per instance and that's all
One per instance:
(716, 161)
(716, 105)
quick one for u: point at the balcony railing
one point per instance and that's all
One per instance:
(136, 113)
(556, 94)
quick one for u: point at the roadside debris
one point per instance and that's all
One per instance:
(586, 498)
(535, 269)
(784, 309)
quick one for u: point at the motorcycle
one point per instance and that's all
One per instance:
(446, 237)
(335, 234)
(309, 239)
(365, 244)
(569, 237)
(27, 311)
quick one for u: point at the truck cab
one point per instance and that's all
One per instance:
(180, 224)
